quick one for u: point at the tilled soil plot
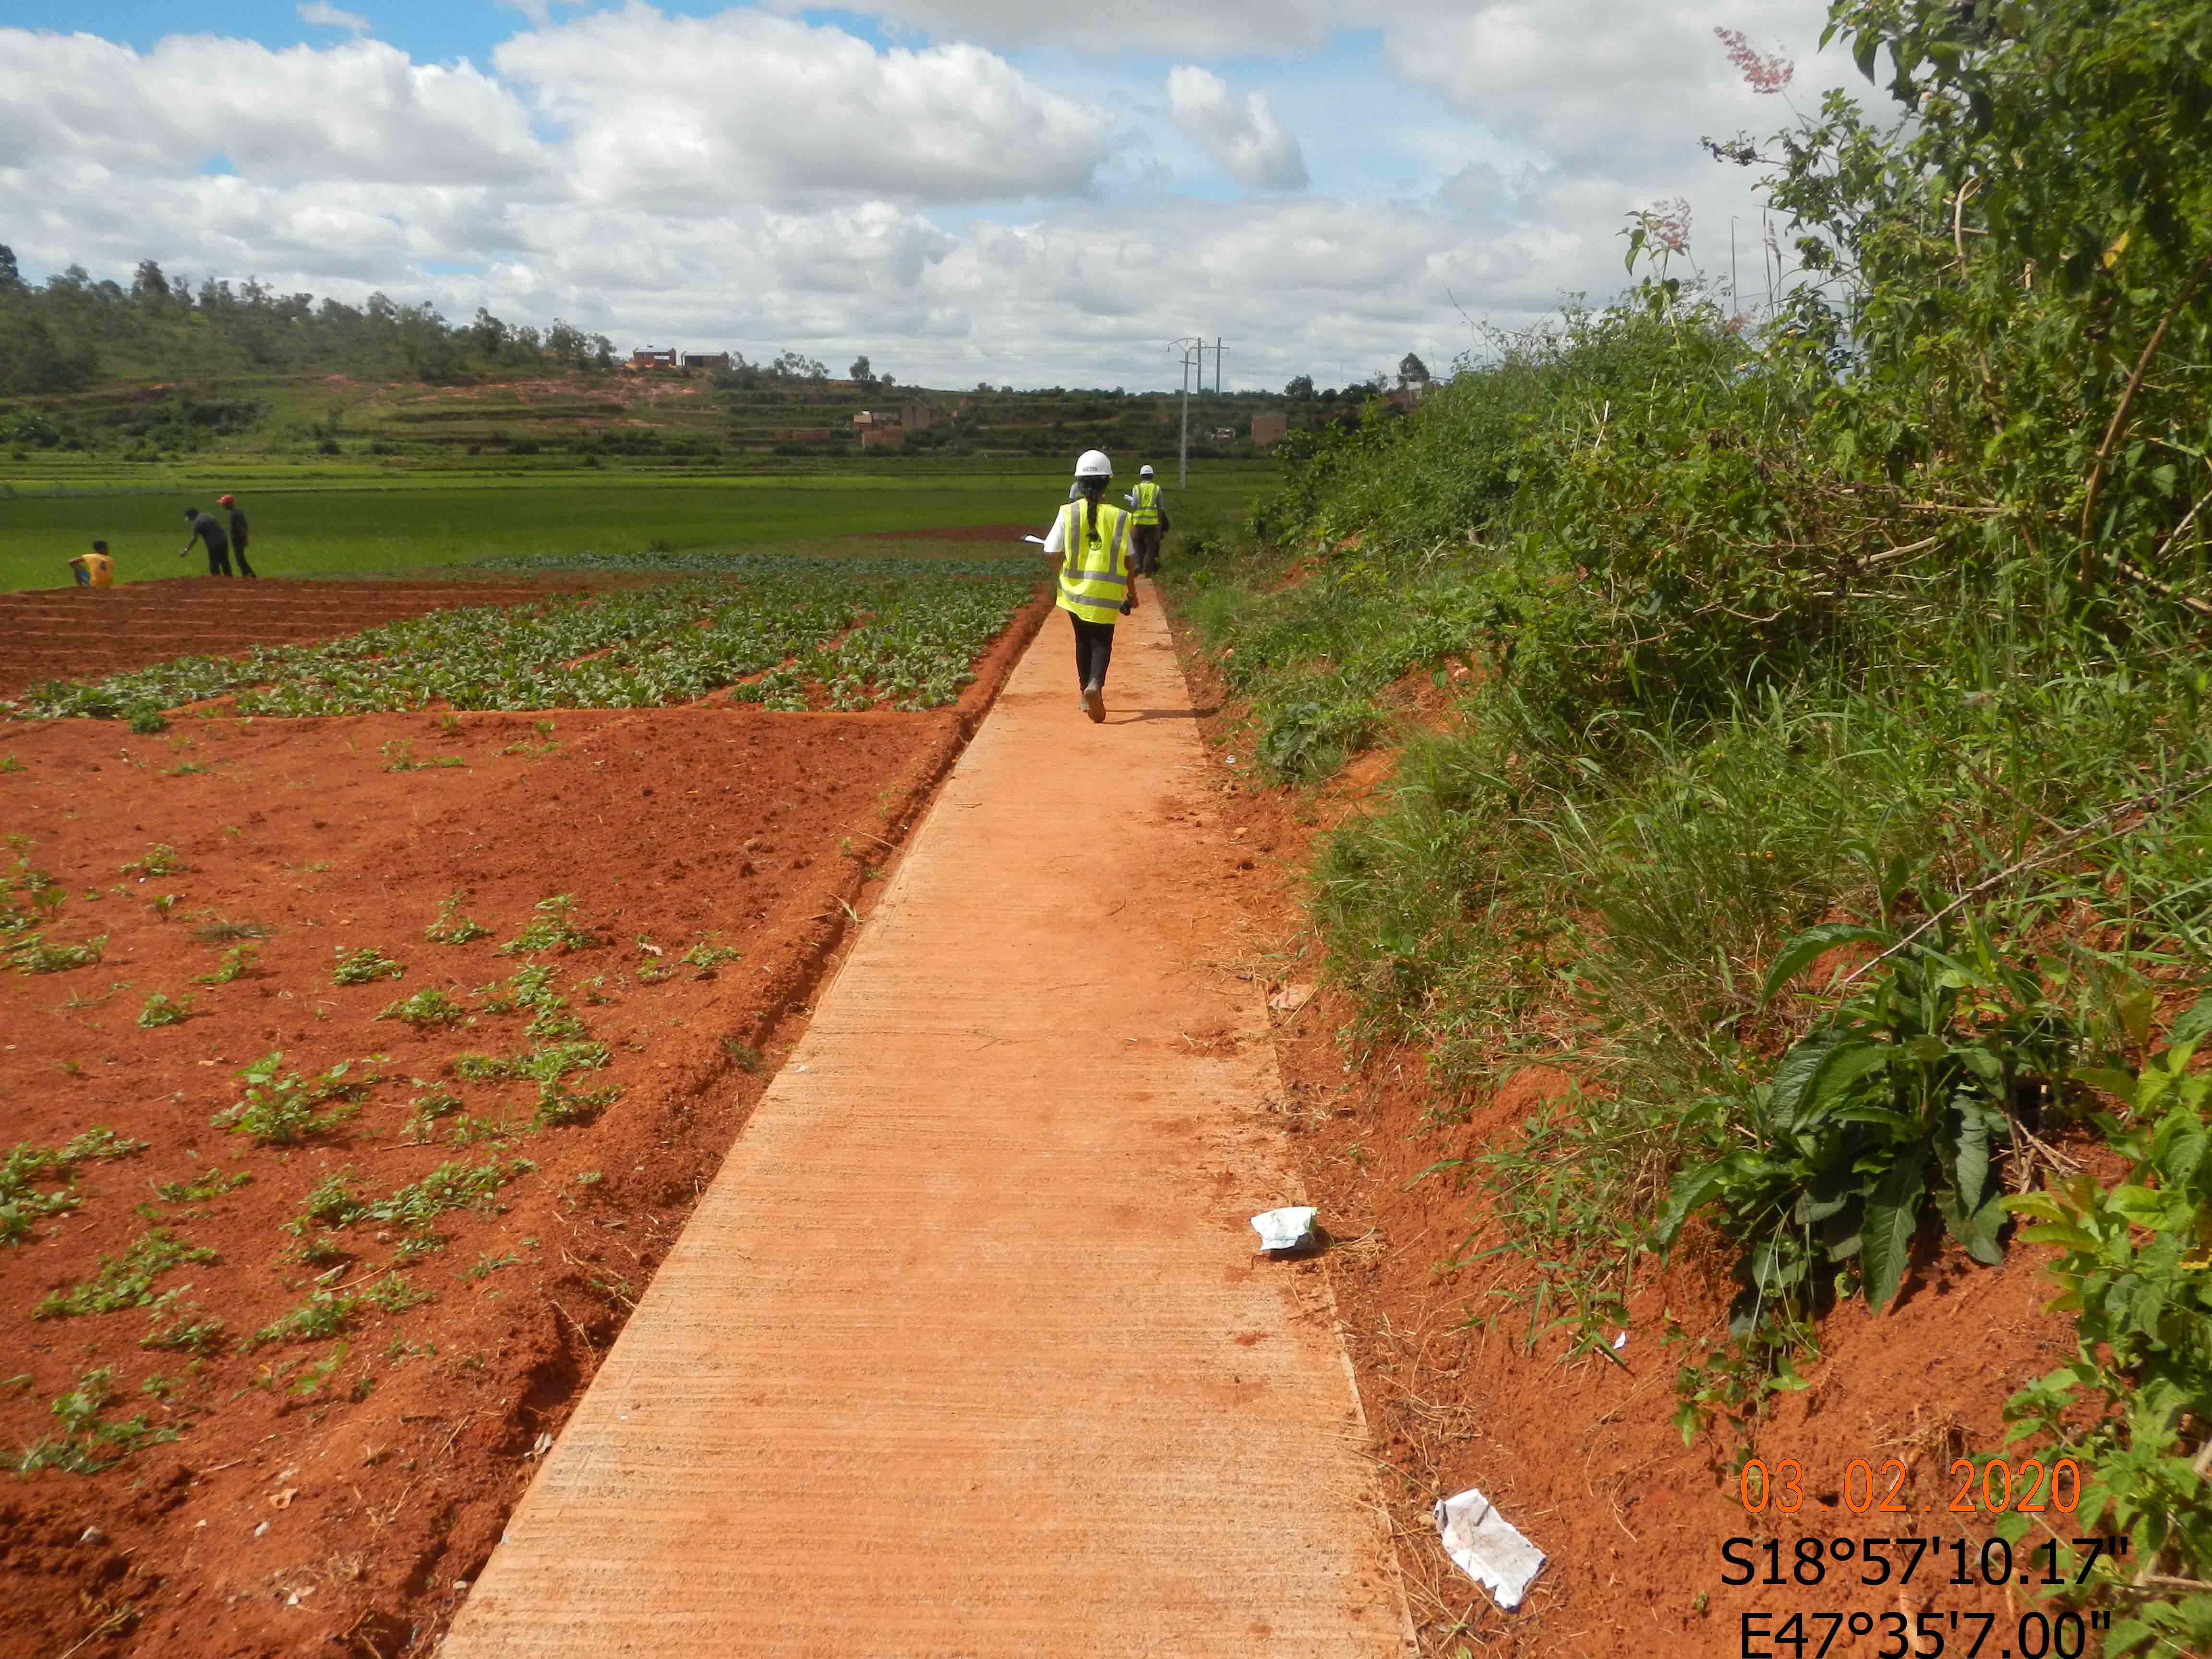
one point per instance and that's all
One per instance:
(319, 1369)
(84, 632)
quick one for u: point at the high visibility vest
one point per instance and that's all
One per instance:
(1148, 503)
(1094, 570)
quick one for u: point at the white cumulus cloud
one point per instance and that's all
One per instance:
(321, 14)
(743, 106)
(1242, 137)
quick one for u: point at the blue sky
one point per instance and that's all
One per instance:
(963, 188)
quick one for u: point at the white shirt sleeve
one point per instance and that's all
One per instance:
(1054, 541)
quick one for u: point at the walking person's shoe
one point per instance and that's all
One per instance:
(1094, 703)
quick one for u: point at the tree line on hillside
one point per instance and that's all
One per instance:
(63, 335)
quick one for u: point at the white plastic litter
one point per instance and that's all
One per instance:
(1487, 1548)
(1285, 1230)
(1620, 1342)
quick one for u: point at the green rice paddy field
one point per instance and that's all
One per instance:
(345, 523)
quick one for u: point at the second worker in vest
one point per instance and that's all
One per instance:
(1145, 527)
(1096, 587)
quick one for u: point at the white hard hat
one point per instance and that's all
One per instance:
(1144, 472)
(1094, 464)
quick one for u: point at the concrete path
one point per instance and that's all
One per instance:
(966, 1352)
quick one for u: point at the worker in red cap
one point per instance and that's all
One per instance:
(237, 532)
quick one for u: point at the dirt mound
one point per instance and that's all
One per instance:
(75, 632)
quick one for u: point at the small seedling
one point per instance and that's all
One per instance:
(554, 928)
(32, 954)
(429, 1007)
(161, 1010)
(161, 906)
(125, 1280)
(706, 958)
(159, 860)
(363, 966)
(10, 763)
(743, 1054)
(28, 1169)
(212, 929)
(400, 756)
(487, 1264)
(451, 927)
(424, 1110)
(148, 722)
(88, 1442)
(238, 962)
(212, 1185)
(283, 1111)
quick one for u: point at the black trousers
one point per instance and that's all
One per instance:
(218, 559)
(238, 552)
(1094, 649)
(1145, 549)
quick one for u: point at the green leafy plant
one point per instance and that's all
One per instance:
(87, 1439)
(209, 1187)
(125, 1280)
(2135, 1406)
(705, 958)
(400, 756)
(335, 1203)
(429, 1007)
(1899, 1103)
(240, 962)
(451, 927)
(554, 928)
(364, 966)
(559, 1104)
(159, 860)
(162, 1010)
(280, 1108)
(27, 1170)
(31, 953)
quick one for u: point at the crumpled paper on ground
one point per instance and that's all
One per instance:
(1285, 1230)
(1487, 1547)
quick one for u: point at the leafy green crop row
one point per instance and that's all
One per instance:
(900, 631)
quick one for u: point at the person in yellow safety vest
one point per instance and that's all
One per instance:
(1145, 525)
(1095, 589)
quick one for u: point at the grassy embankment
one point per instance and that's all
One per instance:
(1826, 786)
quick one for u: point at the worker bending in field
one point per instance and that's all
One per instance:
(94, 570)
(1147, 524)
(205, 529)
(229, 504)
(1095, 586)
